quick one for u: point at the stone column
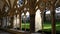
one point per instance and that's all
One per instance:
(11, 21)
(6, 21)
(32, 14)
(42, 20)
(53, 21)
(20, 20)
(32, 22)
(1, 22)
(25, 21)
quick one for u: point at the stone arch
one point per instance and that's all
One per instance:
(25, 15)
(16, 20)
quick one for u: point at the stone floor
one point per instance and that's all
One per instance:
(35, 33)
(2, 32)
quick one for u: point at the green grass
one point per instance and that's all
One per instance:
(47, 26)
(27, 25)
(57, 26)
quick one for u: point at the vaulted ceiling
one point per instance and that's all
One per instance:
(12, 3)
(4, 3)
(1, 4)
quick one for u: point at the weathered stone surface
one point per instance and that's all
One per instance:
(38, 22)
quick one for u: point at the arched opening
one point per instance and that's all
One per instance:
(28, 21)
(25, 21)
(16, 24)
(57, 10)
(8, 22)
(4, 23)
(47, 23)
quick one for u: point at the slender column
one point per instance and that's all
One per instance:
(16, 21)
(11, 21)
(32, 22)
(20, 20)
(53, 19)
(42, 17)
(32, 14)
(25, 21)
(6, 21)
(1, 22)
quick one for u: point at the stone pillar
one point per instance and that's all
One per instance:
(20, 20)
(11, 21)
(42, 20)
(32, 14)
(1, 22)
(6, 21)
(53, 21)
(32, 22)
(25, 21)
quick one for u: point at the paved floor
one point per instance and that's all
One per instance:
(2, 32)
(38, 33)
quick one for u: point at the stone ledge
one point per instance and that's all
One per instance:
(14, 31)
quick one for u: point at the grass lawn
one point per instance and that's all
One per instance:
(27, 25)
(47, 26)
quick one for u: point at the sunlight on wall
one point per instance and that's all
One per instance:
(27, 13)
(22, 14)
(38, 24)
(16, 21)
